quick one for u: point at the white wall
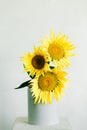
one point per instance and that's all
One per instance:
(22, 23)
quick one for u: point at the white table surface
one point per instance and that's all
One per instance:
(21, 123)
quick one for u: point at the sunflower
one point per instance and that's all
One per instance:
(58, 48)
(50, 84)
(35, 63)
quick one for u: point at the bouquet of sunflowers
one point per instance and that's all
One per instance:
(45, 67)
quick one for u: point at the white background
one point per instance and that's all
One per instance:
(22, 23)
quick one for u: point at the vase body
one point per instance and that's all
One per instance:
(42, 114)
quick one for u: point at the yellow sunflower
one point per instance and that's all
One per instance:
(58, 48)
(50, 84)
(35, 63)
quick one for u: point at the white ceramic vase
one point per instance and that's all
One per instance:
(42, 114)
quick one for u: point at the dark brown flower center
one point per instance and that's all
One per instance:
(38, 62)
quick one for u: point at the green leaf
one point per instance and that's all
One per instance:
(25, 84)
(51, 67)
(32, 76)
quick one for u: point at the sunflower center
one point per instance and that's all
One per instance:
(48, 81)
(38, 62)
(56, 51)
